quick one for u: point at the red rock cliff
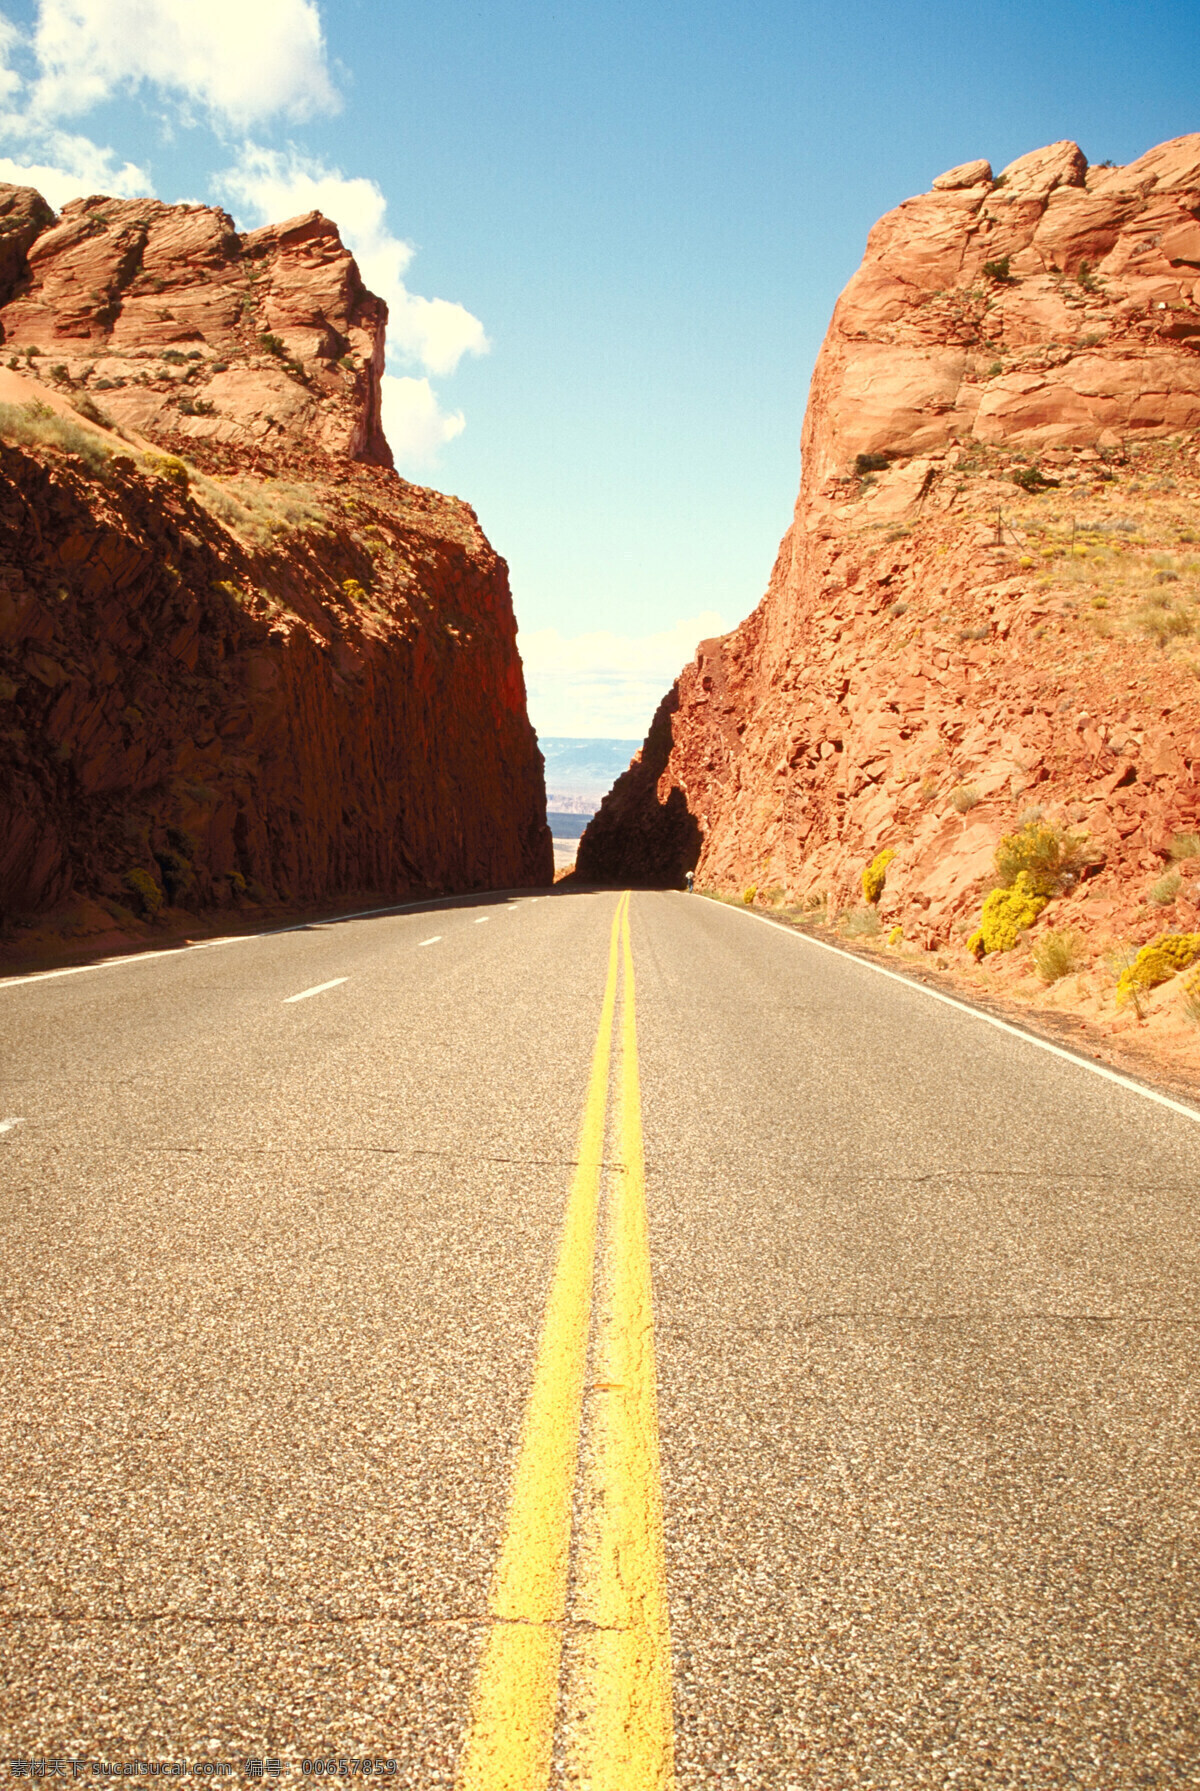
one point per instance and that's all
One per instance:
(990, 594)
(259, 664)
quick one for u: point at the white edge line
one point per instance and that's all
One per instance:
(976, 1013)
(436, 940)
(318, 990)
(6, 1125)
(177, 951)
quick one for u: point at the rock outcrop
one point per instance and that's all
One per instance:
(170, 323)
(240, 659)
(989, 598)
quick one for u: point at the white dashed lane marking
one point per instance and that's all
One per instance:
(319, 990)
(6, 1125)
(436, 940)
(483, 920)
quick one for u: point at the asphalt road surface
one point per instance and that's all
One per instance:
(545, 1341)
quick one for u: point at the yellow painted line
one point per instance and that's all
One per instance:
(511, 1736)
(626, 1739)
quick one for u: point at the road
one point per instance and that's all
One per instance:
(585, 1343)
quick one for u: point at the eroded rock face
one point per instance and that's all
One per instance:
(173, 324)
(1057, 306)
(942, 648)
(276, 671)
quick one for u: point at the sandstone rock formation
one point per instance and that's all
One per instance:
(990, 594)
(240, 659)
(173, 324)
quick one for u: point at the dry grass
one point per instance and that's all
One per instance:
(860, 923)
(1134, 570)
(259, 512)
(1058, 953)
(36, 425)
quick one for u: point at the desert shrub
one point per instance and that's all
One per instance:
(1032, 478)
(176, 873)
(1184, 846)
(1087, 277)
(1048, 855)
(88, 408)
(168, 467)
(774, 895)
(147, 896)
(871, 463)
(1166, 889)
(749, 893)
(1006, 914)
(237, 885)
(998, 270)
(1057, 953)
(895, 935)
(270, 344)
(875, 875)
(36, 425)
(965, 797)
(1189, 995)
(354, 590)
(173, 356)
(860, 923)
(1161, 621)
(897, 609)
(1157, 963)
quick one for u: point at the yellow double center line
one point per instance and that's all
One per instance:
(623, 1739)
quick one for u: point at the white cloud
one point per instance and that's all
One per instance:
(239, 61)
(414, 423)
(606, 685)
(77, 167)
(10, 80)
(271, 184)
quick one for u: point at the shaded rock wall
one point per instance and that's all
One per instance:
(941, 647)
(299, 732)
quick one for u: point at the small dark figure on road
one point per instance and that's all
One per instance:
(689, 879)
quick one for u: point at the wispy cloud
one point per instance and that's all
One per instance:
(606, 685)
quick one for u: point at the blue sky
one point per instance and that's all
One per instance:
(611, 235)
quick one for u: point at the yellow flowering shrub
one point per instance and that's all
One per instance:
(1006, 914)
(1157, 963)
(875, 875)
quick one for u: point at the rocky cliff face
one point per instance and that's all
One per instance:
(173, 324)
(990, 594)
(239, 658)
